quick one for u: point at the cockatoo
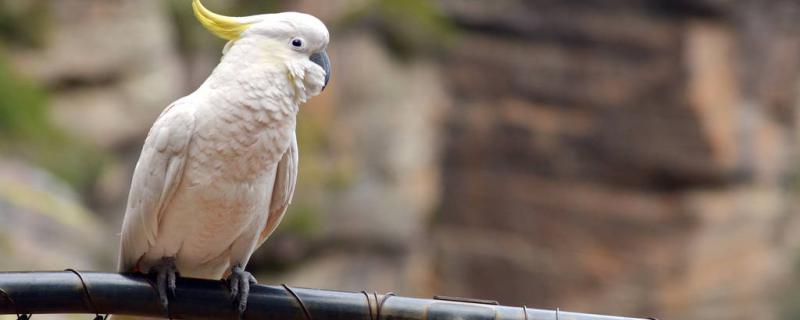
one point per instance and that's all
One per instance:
(218, 167)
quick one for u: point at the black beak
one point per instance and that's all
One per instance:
(321, 59)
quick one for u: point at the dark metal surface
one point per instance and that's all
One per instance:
(92, 292)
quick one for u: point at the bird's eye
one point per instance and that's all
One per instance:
(297, 43)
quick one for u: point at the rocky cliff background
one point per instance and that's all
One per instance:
(629, 157)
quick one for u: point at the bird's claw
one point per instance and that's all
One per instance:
(239, 282)
(166, 273)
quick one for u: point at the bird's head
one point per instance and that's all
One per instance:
(292, 39)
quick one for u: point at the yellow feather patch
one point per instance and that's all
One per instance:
(228, 28)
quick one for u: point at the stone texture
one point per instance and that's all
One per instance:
(109, 69)
(43, 225)
(622, 157)
(627, 157)
(384, 130)
(369, 178)
(111, 64)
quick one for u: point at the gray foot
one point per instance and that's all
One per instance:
(240, 282)
(165, 272)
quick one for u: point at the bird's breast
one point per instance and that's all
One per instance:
(227, 183)
(214, 216)
(238, 150)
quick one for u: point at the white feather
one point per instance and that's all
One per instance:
(219, 167)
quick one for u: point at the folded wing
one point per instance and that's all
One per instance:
(155, 179)
(282, 191)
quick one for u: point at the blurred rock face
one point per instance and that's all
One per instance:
(369, 177)
(622, 157)
(111, 66)
(44, 226)
(369, 173)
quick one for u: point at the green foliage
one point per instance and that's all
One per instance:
(318, 168)
(407, 27)
(341, 178)
(789, 308)
(6, 242)
(301, 219)
(25, 131)
(23, 22)
(22, 107)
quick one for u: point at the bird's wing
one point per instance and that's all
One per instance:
(282, 191)
(155, 179)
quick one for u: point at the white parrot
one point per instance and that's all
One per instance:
(218, 167)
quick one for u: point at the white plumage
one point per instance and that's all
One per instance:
(219, 166)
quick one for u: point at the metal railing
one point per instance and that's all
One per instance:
(95, 293)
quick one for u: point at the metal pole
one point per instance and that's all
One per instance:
(103, 293)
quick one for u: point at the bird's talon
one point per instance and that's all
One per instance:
(234, 286)
(240, 282)
(171, 278)
(165, 280)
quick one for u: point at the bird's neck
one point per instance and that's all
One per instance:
(264, 88)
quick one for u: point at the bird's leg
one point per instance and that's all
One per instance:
(165, 273)
(240, 282)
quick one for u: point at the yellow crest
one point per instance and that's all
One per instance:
(228, 28)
